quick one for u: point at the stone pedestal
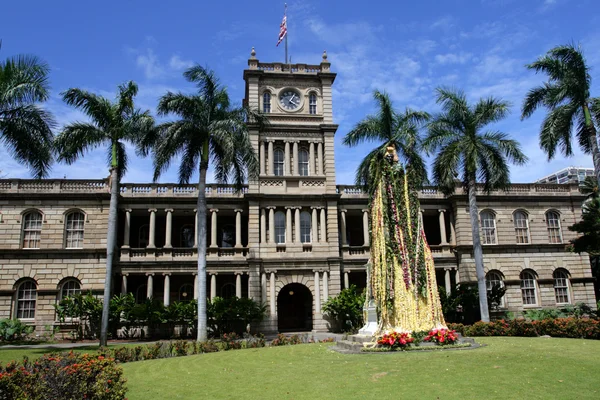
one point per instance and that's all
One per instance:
(371, 319)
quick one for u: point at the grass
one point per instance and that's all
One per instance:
(508, 368)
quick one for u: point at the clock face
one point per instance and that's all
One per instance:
(289, 99)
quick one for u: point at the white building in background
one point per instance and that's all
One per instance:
(568, 175)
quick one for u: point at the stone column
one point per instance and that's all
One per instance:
(151, 235)
(448, 282)
(367, 241)
(167, 290)
(442, 221)
(250, 280)
(456, 276)
(346, 280)
(238, 227)
(169, 228)
(311, 158)
(271, 169)
(124, 283)
(320, 158)
(238, 285)
(263, 288)
(262, 160)
(213, 227)
(150, 286)
(195, 228)
(288, 224)
(343, 227)
(317, 293)
(452, 231)
(325, 286)
(314, 229)
(286, 164)
(213, 286)
(263, 226)
(271, 224)
(296, 167)
(273, 305)
(297, 238)
(195, 286)
(127, 228)
(323, 238)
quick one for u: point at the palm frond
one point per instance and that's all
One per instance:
(96, 107)
(534, 99)
(127, 92)
(24, 80)
(490, 110)
(369, 129)
(556, 131)
(76, 139)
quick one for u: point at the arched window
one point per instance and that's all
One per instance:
(186, 292)
(305, 225)
(266, 102)
(279, 227)
(312, 103)
(278, 160)
(553, 225)
(32, 230)
(69, 288)
(561, 286)
(187, 236)
(26, 299)
(74, 228)
(303, 162)
(227, 236)
(528, 288)
(488, 227)
(493, 279)
(521, 226)
(141, 294)
(144, 236)
(228, 291)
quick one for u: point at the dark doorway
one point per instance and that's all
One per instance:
(294, 308)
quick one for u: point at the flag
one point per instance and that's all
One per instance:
(282, 29)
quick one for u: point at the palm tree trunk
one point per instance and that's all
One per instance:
(201, 236)
(593, 141)
(478, 251)
(110, 250)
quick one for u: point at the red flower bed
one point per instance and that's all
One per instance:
(396, 340)
(441, 337)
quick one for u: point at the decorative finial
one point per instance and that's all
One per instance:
(253, 52)
(324, 55)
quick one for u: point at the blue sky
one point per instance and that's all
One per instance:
(407, 48)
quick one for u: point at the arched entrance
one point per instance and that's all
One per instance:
(294, 308)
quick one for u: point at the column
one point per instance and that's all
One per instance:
(314, 226)
(213, 286)
(167, 290)
(442, 221)
(288, 224)
(296, 168)
(325, 286)
(447, 279)
(271, 169)
(297, 238)
(323, 238)
(343, 227)
(238, 285)
(456, 276)
(127, 228)
(272, 295)
(238, 227)
(124, 284)
(262, 161)
(346, 280)
(263, 226)
(263, 288)
(286, 164)
(317, 293)
(452, 231)
(271, 224)
(311, 158)
(150, 286)
(250, 279)
(366, 227)
(213, 227)
(320, 158)
(195, 228)
(195, 286)
(151, 235)
(169, 224)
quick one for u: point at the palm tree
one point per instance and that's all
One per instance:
(111, 124)
(589, 187)
(390, 129)
(566, 95)
(209, 129)
(469, 152)
(26, 128)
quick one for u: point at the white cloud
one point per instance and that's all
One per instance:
(177, 63)
(444, 23)
(149, 64)
(453, 58)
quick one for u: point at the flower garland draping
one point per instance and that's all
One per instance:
(401, 270)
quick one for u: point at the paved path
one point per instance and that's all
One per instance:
(65, 345)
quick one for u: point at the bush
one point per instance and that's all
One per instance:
(13, 329)
(559, 327)
(347, 309)
(232, 315)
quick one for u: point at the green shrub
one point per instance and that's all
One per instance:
(232, 315)
(571, 327)
(13, 329)
(346, 309)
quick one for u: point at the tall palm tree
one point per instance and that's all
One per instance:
(468, 151)
(589, 187)
(112, 123)
(389, 128)
(209, 129)
(26, 128)
(566, 95)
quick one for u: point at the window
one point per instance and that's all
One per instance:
(553, 225)
(228, 291)
(528, 288)
(278, 159)
(143, 236)
(186, 292)
(488, 227)
(266, 102)
(312, 104)
(141, 294)
(187, 236)
(303, 162)
(74, 230)
(492, 279)
(561, 286)
(32, 230)
(26, 298)
(305, 223)
(521, 227)
(228, 236)
(69, 288)
(279, 227)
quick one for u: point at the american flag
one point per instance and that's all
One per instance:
(282, 30)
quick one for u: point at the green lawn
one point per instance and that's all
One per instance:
(508, 368)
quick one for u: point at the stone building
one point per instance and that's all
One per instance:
(291, 239)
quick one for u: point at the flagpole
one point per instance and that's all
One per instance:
(286, 34)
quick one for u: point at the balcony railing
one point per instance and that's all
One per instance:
(181, 254)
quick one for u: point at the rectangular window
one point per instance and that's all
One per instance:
(74, 230)
(32, 230)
